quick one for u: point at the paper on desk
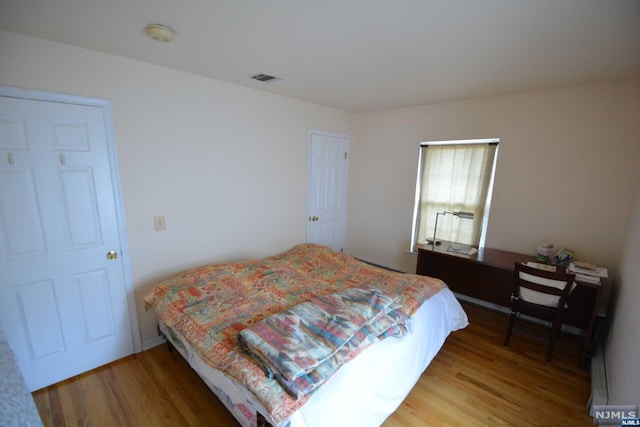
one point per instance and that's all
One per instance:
(463, 249)
(587, 278)
(540, 266)
(596, 271)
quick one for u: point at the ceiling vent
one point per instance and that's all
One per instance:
(264, 78)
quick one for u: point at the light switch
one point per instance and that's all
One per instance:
(159, 223)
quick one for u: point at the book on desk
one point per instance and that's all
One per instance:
(588, 272)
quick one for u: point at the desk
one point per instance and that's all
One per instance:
(488, 276)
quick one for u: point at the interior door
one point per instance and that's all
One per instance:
(63, 297)
(327, 199)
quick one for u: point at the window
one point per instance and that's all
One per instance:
(454, 176)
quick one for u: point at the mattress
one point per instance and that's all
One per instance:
(376, 382)
(201, 311)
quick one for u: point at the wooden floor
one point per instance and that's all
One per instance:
(473, 381)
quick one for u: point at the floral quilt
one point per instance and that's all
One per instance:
(210, 305)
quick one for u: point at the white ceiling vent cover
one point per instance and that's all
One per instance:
(265, 78)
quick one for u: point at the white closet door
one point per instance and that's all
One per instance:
(327, 203)
(63, 298)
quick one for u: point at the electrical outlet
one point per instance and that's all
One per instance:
(159, 223)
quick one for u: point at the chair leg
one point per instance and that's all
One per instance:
(512, 321)
(556, 326)
(555, 333)
(552, 342)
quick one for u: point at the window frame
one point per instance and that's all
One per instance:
(416, 208)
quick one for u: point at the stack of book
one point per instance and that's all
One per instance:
(588, 272)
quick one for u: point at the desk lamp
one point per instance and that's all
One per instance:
(464, 215)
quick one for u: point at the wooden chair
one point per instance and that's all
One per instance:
(539, 294)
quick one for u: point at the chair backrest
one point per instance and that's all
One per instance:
(542, 287)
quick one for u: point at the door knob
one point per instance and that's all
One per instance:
(313, 218)
(112, 255)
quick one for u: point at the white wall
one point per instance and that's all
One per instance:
(226, 165)
(623, 349)
(568, 172)
(567, 162)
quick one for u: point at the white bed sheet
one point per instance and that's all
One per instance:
(366, 390)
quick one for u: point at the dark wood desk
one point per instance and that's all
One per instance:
(488, 276)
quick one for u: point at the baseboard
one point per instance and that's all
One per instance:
(565, 328)
(153, 342)
(482, 303)
(599, 389)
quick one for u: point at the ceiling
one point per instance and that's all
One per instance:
(358, 55)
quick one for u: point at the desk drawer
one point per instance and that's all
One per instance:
(468, 278)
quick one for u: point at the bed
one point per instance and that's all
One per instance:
(202, 312)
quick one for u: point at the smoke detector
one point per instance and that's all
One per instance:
(162, 33)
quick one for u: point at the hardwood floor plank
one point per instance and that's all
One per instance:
(474, 380)
(79, 404)
(41, 400)
(67, 408)
(97, 398)
(56, 408)
(127, 379)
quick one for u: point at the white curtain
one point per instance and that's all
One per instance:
(454, 177)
